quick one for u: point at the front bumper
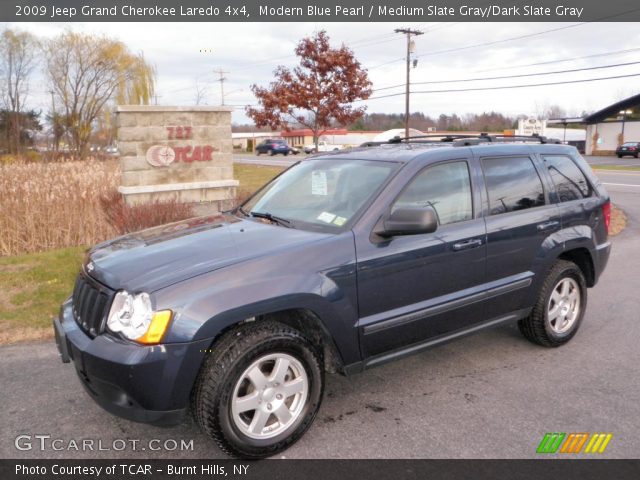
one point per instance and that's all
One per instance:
(149, 384)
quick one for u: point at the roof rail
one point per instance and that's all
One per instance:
(520, 138)
(479, 138)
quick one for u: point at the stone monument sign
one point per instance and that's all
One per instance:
(182, 153)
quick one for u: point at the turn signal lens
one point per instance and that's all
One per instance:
(606, 215)
(157, 328)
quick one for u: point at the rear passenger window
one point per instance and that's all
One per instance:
(512, 184)
(569, 180)
(445, 187)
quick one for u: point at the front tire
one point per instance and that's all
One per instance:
(259, 390)
(557, 314)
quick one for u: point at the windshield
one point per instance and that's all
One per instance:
(629, 144)
(320, 194)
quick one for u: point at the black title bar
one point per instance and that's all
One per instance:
(115, 469)
(319, 11)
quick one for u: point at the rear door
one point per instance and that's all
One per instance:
(519, 218)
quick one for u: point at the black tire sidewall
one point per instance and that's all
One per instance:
(251, 447)
(574, 273)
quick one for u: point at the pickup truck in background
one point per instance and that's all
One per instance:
(322, 147)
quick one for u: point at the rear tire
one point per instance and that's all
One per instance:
(261, 363)
(560, 307)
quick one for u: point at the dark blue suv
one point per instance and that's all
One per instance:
(343, 262)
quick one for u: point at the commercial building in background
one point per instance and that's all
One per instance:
(612, 126)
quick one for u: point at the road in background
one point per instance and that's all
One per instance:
(275, 161)
(612, 161)
(491, 395)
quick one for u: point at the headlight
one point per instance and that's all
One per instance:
(133, 316)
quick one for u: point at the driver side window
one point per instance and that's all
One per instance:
(445, 187)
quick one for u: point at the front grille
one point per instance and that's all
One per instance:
(91, 302)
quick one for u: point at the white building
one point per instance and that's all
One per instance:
(612, 126)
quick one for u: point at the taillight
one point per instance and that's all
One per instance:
(606, 215)
(632, 148)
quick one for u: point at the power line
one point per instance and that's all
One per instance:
(506, 87)
(519, 37)
(549, 62)
(504, 40)
(460, 80)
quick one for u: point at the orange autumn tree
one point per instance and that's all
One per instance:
(316, 94)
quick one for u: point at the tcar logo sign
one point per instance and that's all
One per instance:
(160, 156)
(163, 155)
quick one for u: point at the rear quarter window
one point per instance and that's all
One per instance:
(570, 182)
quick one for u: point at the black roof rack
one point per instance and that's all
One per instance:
(464, 139)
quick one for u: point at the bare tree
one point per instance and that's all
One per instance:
(201, 93)
(546, 110)
(18, 55)
(86, 73)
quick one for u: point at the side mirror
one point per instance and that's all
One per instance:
(409, 221)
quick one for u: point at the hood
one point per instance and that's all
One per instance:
(155, 258)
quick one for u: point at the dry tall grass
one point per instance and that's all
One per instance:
(54, 205)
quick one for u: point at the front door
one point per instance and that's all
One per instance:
(415, 287)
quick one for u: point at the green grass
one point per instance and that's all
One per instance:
(615, 167)
(252, 177)
(32, 287)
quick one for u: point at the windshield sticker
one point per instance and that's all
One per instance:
(339, 221)
(319, 183)
(326, 217)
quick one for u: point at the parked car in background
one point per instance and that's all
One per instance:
(273, 146)
(628, 148)
(323, 147)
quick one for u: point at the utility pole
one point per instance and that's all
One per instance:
(221, 80)
(409, 33)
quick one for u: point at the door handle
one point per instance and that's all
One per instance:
(548, 225)
(473, 243)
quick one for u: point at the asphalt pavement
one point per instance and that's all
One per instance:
(492, 395)
(275, 161)
(612, 161)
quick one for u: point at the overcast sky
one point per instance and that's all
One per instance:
(251, 51)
